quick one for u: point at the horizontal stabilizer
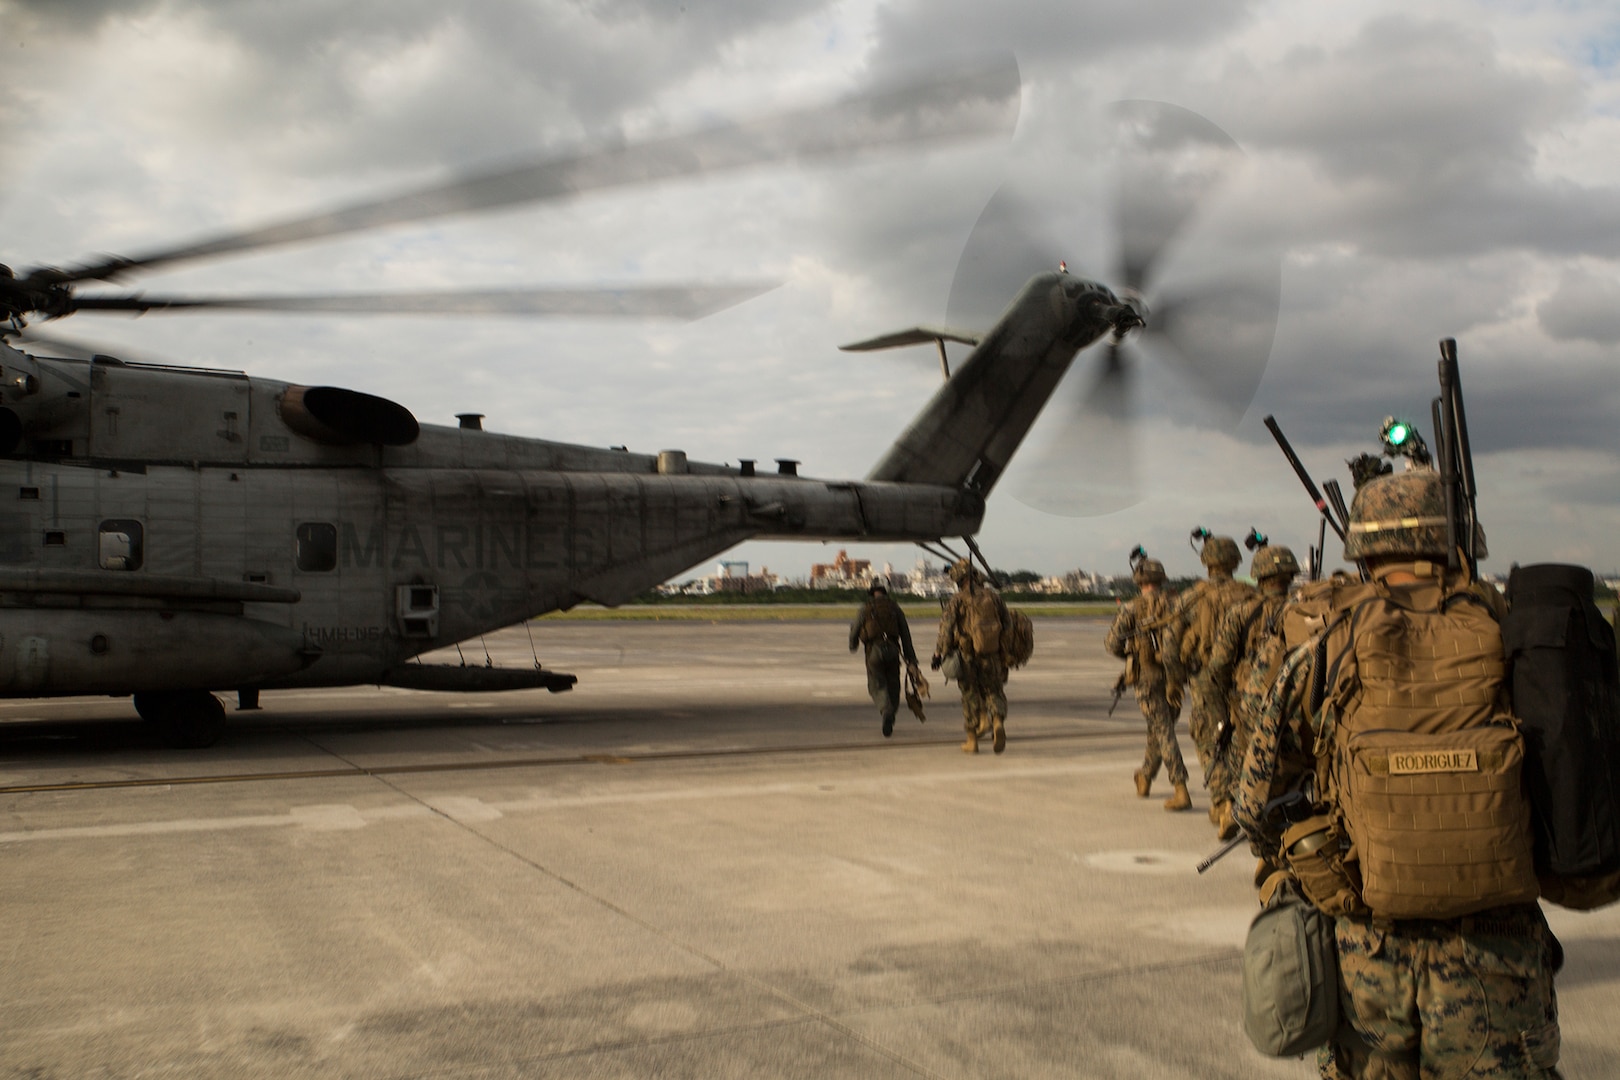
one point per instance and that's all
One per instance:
(917, 335)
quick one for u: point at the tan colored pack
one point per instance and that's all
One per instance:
(1423, 767)
(982, 620)
(1152, 618)
(1214, 600)
(1017, 639)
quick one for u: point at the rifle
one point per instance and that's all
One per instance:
(1285, 806)
(1119, 692)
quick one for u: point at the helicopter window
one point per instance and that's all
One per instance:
(55, 538)
(317, 546)
(120, 545)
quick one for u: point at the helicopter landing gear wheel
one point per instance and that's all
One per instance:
(184, 719)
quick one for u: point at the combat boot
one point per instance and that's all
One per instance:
(1000, 742)
(970, 745)
(1180, 800)
(1215, 814)
(1144, 784)
(1228, 824)
(888, 724)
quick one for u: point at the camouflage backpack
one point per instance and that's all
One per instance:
(1017, 639)
(1416, 754)
(1213, 600)
(982, 612)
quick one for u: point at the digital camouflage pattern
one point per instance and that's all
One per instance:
(1221, 552)
(984, 702)
(1453, 998)
(1401, 513)
(1425, 999)
(1131, 637)
(1271, 560)
(1248, 645)
(1281, 752)
(1197, 612)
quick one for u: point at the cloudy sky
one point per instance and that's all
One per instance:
(1455, 174)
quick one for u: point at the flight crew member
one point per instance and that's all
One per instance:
(881, 627)
(1194, 617)
(970, 626)
(1139, 637)
(1423, 997)
(1248, 647)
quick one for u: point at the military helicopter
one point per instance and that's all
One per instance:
(173, 531)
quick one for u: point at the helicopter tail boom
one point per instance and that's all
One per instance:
(967, 433)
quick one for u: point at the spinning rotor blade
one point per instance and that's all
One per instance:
(1220, 335)
(658, 301)
(1170, 159)
(958, 106)
(1086, 465)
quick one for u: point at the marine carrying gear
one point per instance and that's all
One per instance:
(1566, 694)
(1417, 755)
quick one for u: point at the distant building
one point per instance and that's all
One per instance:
(842, 573)
(926, 579)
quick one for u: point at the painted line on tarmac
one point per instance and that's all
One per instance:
(597, 758)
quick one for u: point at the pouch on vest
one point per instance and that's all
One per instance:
(1566, 694)
(1440, 822)
(1290, 975)
(1314, 852)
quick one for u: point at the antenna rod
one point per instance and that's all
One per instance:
(1304, 477)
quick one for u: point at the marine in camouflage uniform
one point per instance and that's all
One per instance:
(1247, 647)
(1132, 637)
(881, 627)
(1196, 614)
(1422, 998)
(982, 678)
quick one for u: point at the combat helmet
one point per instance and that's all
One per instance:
(1221, 551)
(1401, 513)
(1148, 572)
(1273, 560)
(962, 570)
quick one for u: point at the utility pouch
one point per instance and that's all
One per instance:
(1290, 973)
(1440, 822)
(1314, 852)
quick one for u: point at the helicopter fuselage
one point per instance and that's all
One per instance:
(259, 556)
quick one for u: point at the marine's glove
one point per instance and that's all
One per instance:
(933, 664)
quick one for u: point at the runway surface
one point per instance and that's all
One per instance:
(705, 861)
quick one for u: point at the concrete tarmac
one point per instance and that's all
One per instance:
(705, 861)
